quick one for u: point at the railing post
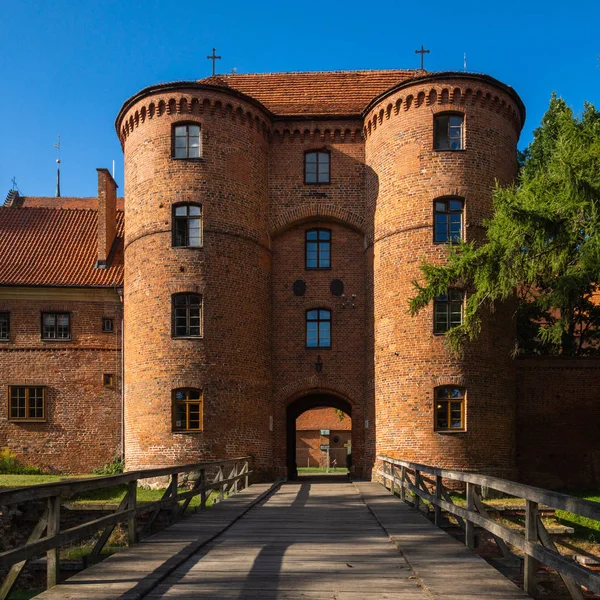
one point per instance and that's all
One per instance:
(469, 528)
(235, 474)
(531, 535)
(174, 486)
(246, 481)
(203, 486)
(402, 480)
(417, 487)
(53, 555)
(221, 487)
(132, 519)
(438, 497)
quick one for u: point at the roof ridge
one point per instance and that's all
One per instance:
(341, 71)
(55, 208)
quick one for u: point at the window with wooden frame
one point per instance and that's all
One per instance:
(108, 380)
(26, 403)
(4, 326)
(107, 325)
(449, 408)
(187, 409)
(448, 131)
(316, 167)
(318, 249)
(187, 316)
(318, 328)
(56, 326)
(186, 140)
(187, 226)
(448, 311)
(448, 220)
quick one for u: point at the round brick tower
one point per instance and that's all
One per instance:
(195, 145)
(406, 174)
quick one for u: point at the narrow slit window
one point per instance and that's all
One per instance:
(448, 132)
(27, 403)
(107, 325)
(318, 328)
(448, 311)
(316, 167)
(318, 249)
(186, 141)
(449, 408)
(187, 226)
(448, 220)
(187, 315)
(187, 410)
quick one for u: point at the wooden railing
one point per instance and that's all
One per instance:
(426, 483)
(226, 477)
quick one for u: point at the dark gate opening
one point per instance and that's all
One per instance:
(294, 410)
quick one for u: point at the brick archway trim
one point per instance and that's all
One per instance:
(316, 210)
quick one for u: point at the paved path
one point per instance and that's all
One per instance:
(322, 539)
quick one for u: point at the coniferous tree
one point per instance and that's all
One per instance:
(542, 245)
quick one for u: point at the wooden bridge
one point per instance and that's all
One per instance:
(319, 538)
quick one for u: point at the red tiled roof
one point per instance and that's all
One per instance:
(317, 93)
(322, 418)
(50, 247)
(53, 202)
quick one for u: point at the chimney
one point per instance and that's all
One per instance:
(107, 216)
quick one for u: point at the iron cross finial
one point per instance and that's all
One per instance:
(214, 58)
(422, 52)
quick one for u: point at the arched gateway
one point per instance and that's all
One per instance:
(295, 409)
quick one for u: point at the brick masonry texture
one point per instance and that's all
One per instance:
(252, 363)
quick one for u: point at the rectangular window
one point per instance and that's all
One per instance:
(318, 249)
(107, 325)
(27, 403)
(318, 328)
(56, 326)
(448, 311)
(448, 132)
(187, 410)
(449, 409)
(108, 380)
(448, 220)
(316, 167)
(187, 226)
(4, 326)
(187, 315)
(186, 141)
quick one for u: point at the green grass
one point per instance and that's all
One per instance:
(585, 528)
(12, 481)
(321, 470)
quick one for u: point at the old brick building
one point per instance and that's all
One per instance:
(273, 227)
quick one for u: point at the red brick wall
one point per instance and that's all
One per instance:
(404, 176)
(309, 453)
(83, 427)
(323, 418)
(231, 364)
(558, 422)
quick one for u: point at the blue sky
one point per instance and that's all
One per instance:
(66, 67)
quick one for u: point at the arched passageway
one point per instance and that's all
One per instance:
(294, 410)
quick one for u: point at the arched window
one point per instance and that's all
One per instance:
(448, 131)
(316, 167)
(318, 249)
(318, 328)
(448, 220)
(186, 140)
(449, 408)
(448, 311)
(187, 409)
(187, 315)
(187, 226)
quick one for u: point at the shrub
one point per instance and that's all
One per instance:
(11, 465)
(115, 467)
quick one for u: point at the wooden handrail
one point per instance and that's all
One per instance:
(128, 510)
(536, 543)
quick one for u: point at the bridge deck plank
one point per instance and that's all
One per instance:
(315, 540)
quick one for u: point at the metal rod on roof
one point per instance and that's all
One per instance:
(57, 146)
